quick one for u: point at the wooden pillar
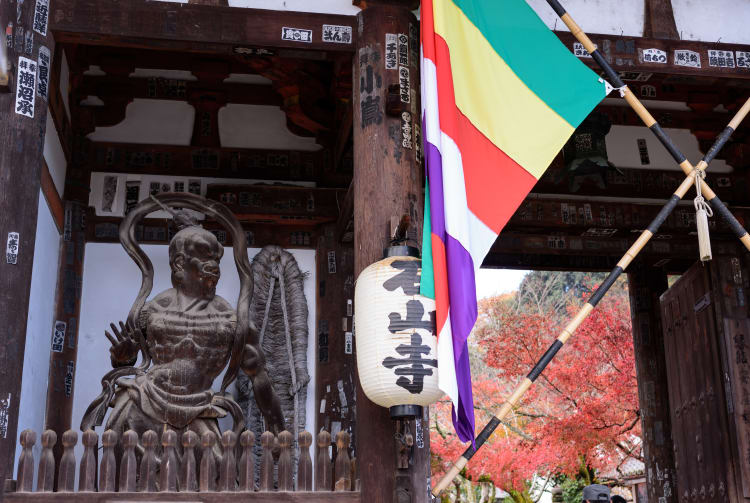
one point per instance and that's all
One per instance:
(388, 183)
(646, 285)
(335, 373)
(658, 20)
(23, 115)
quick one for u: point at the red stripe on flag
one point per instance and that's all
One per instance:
(440, 273)
(495, 184)
(427, 27)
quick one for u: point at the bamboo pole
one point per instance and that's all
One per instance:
(650, 122)
(622, 264)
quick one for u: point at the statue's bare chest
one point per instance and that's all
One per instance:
(204, 336)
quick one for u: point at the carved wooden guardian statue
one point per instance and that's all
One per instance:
(186, 335)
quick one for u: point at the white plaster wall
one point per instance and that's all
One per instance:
(167, 122)
(153, 122)
(258, 126)
(33, 400)
(596, 16)
(709, 20)
(55, 156)
(622, 149)
(326, 6)
(110, 284)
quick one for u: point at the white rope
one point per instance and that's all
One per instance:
(276, 271)
(608, 88)
(292, 366)
(700, 203)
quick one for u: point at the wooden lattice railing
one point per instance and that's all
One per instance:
(176, 470)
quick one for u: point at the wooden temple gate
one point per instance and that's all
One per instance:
(368, 174)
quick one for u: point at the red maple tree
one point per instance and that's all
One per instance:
(582, 412)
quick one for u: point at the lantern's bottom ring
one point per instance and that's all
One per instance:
(406, 411)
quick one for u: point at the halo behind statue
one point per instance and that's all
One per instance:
(226, 218)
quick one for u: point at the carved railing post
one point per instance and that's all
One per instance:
(266, 462)
(108, 465)
(286, 476)
(228, 468)
(304, 465)
(247, 461)
(147, 479)
(66, 476)
(46, 477)
(128, 467)
(169, 464)
(188, 472)
(343, 465)
(26, 462)
(87, 475)
(323, 476)
(208, 462)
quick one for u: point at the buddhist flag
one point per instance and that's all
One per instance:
(500, 97)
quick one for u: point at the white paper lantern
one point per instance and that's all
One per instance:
(395, 334)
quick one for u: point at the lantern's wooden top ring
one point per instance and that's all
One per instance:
(401, 251)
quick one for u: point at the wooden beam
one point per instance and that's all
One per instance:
(560, 251)
(193, 28)
(159, 231)
(610, 219)
(205, 497)
(57, 107)
(280, 205)
(343, 136)
(175, 160)
(54, 202)
(625, 54)
(157, 88)
(625, 184)
(345, 223)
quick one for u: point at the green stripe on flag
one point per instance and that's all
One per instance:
(427, 281)
(536, 56)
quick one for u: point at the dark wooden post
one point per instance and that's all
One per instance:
(23, 116)
(646, 285)
(388, 183)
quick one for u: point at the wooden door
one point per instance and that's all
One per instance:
(704, 450)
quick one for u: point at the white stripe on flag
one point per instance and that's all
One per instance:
(460, 222)
(446, 363)
(430, 103)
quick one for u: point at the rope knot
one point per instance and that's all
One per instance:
(608, 88)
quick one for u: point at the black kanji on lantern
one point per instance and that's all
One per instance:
(413, 320)
(407, 279)
(413, 364)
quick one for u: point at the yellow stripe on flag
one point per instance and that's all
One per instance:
(494, 99)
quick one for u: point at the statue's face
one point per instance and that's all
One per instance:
(200, 263)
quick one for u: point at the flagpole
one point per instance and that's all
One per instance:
(650, 122)
(583, 313)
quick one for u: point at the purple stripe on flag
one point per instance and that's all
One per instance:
(463, 315)
(463, 416)
(434, 168)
